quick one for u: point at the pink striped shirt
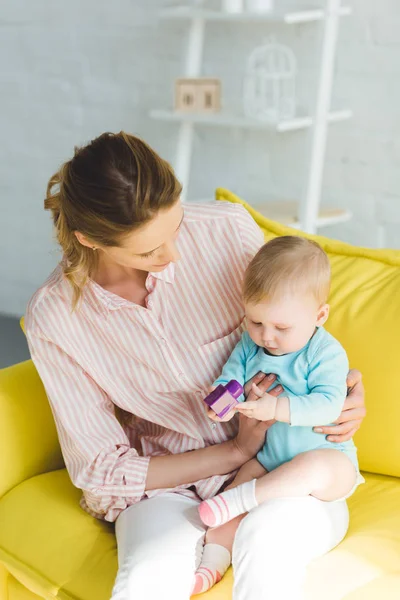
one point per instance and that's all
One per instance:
(154, 363)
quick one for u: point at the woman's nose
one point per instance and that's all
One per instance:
(171, 252)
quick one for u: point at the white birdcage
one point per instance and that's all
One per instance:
(270, 83)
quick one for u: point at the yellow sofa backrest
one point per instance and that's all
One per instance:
(365, 318)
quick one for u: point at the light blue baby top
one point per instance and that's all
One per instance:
(314, 380)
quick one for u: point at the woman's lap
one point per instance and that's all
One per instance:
(160, 540)
(159, 548)
(277, 540)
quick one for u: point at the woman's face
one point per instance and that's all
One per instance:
(153, 246)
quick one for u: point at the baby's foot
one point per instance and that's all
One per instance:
(214, 563)
(204, 580)
(228, 505)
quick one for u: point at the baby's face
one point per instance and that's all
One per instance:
(285, 324)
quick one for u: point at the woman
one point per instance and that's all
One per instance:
(127, 334)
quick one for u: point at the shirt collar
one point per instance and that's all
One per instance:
(103, 300)
(167, 274)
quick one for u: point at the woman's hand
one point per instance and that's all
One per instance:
(353, 412)
(251, 435)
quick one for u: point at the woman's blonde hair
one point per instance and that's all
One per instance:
(111, 187)
(287, 265)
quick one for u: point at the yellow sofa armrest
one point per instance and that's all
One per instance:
(28, 437)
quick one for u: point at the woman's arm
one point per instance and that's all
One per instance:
(177, 469)
(95, 447)
(97, 451)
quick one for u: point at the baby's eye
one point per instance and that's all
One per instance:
(256, 324)
(283, 328)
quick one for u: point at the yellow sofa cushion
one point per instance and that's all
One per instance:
(51, 545)
(56, 550)
(17, 591)
(28, 437)
(365, 318)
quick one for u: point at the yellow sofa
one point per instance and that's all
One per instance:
(50, 548)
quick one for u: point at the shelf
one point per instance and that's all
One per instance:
(223, 119)
(285, 211)
(303, 15)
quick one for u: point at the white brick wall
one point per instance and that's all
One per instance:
(70, 70)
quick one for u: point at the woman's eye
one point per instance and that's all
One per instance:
(147, 255)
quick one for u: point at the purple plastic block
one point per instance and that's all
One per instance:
(224, 397)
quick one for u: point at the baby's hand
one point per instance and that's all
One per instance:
(263, 409)
(229, 415)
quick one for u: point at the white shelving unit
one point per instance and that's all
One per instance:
(277, 16)
(225, 119)
(306, 213)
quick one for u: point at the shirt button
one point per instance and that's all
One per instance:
(213, 425)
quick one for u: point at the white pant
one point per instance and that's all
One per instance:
(160, 543)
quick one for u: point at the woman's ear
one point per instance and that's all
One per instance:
(82, 239)
(323, 314)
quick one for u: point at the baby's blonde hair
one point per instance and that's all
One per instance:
(287, 265)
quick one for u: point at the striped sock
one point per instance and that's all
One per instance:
(214, 563)
(228, 505)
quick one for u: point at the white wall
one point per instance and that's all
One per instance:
(71, 70)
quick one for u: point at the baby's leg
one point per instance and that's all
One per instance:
(225, 534)
(219, 541)
(326, 474)
(250, 470)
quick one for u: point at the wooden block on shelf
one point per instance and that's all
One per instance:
(186, 95)
(209, 95)
(198, 95)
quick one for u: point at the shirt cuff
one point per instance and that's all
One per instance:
(130, 483)
(297, 416)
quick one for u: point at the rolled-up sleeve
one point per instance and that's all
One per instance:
(96, 450)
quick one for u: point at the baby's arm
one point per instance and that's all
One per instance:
(327, 376)
(235, 366)
(328, 369)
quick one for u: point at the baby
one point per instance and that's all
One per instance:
(285, 290)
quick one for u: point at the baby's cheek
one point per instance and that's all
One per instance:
(254, 336)
(293, 342)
